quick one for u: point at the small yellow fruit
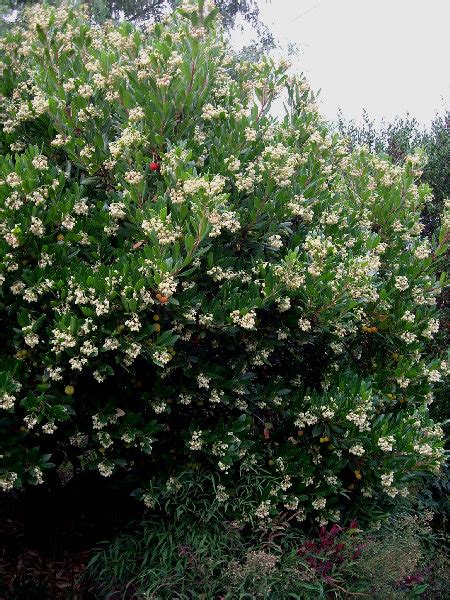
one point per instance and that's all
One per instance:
(157, 327)
(324, 439)
(271, 462)
(351, 486)
(60, 237)
(358, 474)
(69, 390)
(156, 317)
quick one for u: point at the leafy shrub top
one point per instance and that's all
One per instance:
(190, 283)
(398, 139)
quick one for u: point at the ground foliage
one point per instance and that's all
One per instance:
(400, 559)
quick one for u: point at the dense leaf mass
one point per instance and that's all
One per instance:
(191, 284)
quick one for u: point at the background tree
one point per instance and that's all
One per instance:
(136, 10)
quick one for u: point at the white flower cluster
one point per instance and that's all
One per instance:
(105, 468)
(162, 356)
(263, 510)
(387, 480)
(133, 177)
(40, 162)
(304, 324)
(7, 481)
(196, 442)
(275, 242)
(165, 231)
(357, 450)
(281, 162)
(386, 443)
(246, 321)
(299, 207)
(431, 329)
(7, 401)
(305, 418)
(129, 138)
(319, 503)
(203, 381)
(223, 220)
(401, 283)
(360, 416)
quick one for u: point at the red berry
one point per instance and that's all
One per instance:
(154, 166)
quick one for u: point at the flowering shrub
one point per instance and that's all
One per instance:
(190, 283)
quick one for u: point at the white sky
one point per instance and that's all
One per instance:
(388, 56)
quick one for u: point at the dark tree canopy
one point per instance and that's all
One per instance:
(138, 10)
(135, 10)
